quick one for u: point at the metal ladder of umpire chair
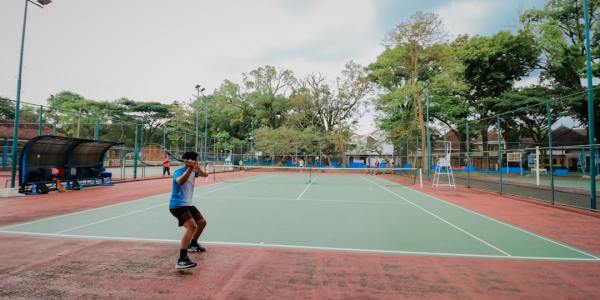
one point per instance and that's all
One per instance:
(444, 167)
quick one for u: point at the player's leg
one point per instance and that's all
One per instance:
(186, 220)
(200, 225)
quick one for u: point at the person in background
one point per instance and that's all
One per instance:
(166, 166)
(57, 174)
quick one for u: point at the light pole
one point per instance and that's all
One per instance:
(428, 134)
(13, 169)
(205, 129)
(198, 91)
(591, 121)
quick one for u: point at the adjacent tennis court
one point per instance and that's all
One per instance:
(350, 211)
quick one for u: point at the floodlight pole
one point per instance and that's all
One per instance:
(205, 129)
(197, 117)
(13, 169)
(428, 135)
(591, 121)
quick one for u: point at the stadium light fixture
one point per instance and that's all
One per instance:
(13, 169)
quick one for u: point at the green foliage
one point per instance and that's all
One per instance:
(493, 64)
(7, 109)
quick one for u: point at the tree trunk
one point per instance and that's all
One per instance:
(419, 106)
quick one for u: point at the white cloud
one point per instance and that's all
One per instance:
(527, 82)
(149, 50)
(467, 17)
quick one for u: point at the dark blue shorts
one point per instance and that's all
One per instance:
(185, 213)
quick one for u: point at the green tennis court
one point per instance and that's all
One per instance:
(342, 212)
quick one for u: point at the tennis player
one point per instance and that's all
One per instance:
(182, 208)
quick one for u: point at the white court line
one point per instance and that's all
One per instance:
(306, 188)
(305, 199)
(439, 218)
(266, 245)
(111, 218)
(233, 185)
(101, 207)
(498, 221)
(145, 209)
(82, 211)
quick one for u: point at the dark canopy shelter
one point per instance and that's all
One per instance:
(79, 158)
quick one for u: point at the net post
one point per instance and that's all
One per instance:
(550, 158)
(499, 151)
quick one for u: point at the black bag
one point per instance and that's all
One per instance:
(42, 188)
(75, 185)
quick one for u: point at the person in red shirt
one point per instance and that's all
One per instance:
(166, 166)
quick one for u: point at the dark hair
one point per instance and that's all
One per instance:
(190, 155)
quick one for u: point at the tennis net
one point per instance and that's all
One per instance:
(326, 175)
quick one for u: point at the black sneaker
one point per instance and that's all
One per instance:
(196, 248)
(185, 263)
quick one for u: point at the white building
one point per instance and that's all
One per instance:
(366, 149)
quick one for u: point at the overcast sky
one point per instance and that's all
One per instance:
(158, 50)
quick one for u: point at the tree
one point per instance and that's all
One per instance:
(559, 31)
(151, 115)
(328, 107)
(7, 109)
(231, 111)
(532, 120)
(491, 66)
(410, 59)
(268, 92)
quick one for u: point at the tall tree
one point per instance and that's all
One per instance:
(329, 107)
(560, 32)
(269, 91)
(409, 60)
(491, 66)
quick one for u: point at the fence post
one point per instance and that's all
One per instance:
(468, 158)
(550, 158)
(184, 141)
(5, 153)
(135, 152)
(164, 144)
(97, 131)
(591, 116)
(428, 134)
(320, 154)
(273, 151)
(41, 120)
(499, 152)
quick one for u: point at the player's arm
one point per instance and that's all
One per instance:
(188, 171)
(199, 170)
